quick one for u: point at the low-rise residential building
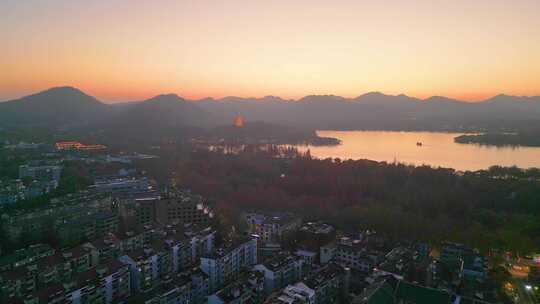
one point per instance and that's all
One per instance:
(280, 271)
(119, 185)
(178, 207)
(182, 207)
(474, 264)
(354, 253)
(227, 261)
(249, 289)
(110, 281)
(391, 290)
(25, 256)
(86, 227)
(177, 291)
(63, 211)
(327, 252)
(148, 268)
(137, 211)
(298, 293)
(272, 227)
(330, 283)
(409, 264)
(58, 268)
(40, 172)
(77, 146)
(200, 284)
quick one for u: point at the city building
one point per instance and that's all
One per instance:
(75, 145)
(166, 208)
(227, 261)
(298, 293)
(327, 252)
(119, 186)
(330, 284)
(177, 291)
(182, 207)
(249, 289)
(200, 284)
(406, 263)
(272, 227)
(36, 224)
(355, 254)
(391, 290)
(61, 267)
(25, 256)
(148, 267)
(40, 172)
(280, 271)
(317, 238)
(137, 212)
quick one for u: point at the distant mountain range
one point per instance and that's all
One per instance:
(67, 106)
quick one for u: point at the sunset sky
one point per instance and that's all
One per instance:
(119, 50)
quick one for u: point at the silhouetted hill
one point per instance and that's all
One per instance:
(65, 106)
(167, 110)
(379, 111)
(163, 117)
(53, 107)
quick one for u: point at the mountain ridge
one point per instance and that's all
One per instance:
(65, 106)
(275, 97)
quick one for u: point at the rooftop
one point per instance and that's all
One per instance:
(391, 290)
(282, 259)
(293, 294)
(317, 228)
(273, 218)
(228, 247)
(323, 275)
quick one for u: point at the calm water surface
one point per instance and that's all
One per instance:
(438, 149)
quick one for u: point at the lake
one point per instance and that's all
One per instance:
(438, 149)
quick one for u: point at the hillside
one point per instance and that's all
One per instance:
(69, 106)
(54, 107)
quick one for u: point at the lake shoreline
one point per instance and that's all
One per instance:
(436, 149)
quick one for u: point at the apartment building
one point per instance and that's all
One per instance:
(298, 293)
(40, 172)
(249, 289)
(61, 267)
(182, 207)
(165, 208)
(355, 254)
(177, 291)
(25, 256)
(280, 271)
(330, 284)
(272, 227)
(148, 267)
(226, 263)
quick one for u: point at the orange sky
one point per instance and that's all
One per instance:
(127, 50)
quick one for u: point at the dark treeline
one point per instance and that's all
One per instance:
(497, 208)
(501, 139)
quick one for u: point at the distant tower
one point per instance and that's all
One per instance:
(238, 121)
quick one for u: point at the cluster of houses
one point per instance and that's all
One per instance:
(377, 270)
(34, 180)
(128, 243)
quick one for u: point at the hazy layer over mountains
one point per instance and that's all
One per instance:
(67, 106)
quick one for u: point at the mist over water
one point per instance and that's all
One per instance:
(438, 149)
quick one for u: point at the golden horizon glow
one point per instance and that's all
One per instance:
(124, 51)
